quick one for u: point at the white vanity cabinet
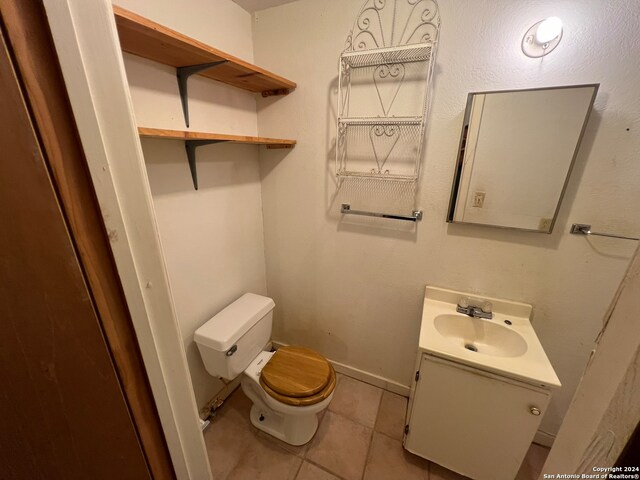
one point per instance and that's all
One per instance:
(470, 421)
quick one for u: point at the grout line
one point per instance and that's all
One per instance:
(370, 379)
(299, 468)
(253, 431)
(372, 427)
(323, 468)
(304, 455)
(369, 453)
(427, 471)
(375, 421)
(353, 420)
(373, 430)
(394, 439)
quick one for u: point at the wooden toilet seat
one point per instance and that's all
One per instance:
(298, 376)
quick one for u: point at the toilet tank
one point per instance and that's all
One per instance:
(230, 340)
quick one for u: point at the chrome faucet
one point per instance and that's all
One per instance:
(475, 308)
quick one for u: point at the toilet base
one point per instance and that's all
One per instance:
(292, 430)
(296, 427)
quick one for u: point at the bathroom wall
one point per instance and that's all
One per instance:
(353, 288)
(212, 238)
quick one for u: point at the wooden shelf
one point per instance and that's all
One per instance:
(193, 140)
(219, 137)
(145, 38)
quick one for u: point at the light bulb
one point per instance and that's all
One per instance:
(548, 30)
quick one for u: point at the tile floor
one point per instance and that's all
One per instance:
(359, 438)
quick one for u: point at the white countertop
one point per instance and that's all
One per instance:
(532, 366)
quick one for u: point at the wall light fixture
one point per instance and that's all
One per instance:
(542, 38)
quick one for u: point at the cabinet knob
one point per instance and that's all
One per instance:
(535, 411)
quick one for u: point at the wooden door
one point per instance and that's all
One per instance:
(63, 412)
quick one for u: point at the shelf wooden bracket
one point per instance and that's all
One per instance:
(190, 146)
(183, 74)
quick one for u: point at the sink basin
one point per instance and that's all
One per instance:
(482, 336)
(506, 345)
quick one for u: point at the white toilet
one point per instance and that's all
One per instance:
(288, 387)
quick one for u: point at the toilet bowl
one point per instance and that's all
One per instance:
(288, 388)
(292, 423)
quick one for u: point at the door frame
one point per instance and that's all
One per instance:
(34, 59)
(86, 41)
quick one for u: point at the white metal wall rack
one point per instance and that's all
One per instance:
(384, 87)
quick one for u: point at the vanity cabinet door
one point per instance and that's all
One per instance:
(472, 422)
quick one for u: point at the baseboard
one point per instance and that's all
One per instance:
(364, 376)
(371, 379)
(543, 438)
(219, 398)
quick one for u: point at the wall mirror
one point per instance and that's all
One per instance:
(516, 152)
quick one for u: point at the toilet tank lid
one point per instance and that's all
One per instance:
(227, 326)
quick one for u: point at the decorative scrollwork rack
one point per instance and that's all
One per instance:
(383, 89)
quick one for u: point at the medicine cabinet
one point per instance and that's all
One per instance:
(516, 152)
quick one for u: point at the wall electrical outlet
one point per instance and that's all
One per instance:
(478, 199)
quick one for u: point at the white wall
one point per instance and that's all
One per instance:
(606, 408)
(353, 290)
(212, 238)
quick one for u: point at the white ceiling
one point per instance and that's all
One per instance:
(253, 5)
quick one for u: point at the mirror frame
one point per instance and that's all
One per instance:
(462, 144)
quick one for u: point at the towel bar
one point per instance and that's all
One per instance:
(584, 229)
(415, 216)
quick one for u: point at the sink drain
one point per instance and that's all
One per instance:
(470, 346)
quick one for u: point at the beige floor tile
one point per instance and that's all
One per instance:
(228, 437)
(298, 451)
(356, 400)
(388, 460)
(309, 471)
(436, 472)
(264, 460)
(391, 415)
(533, 462)
(238, 405)
(340, 446)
